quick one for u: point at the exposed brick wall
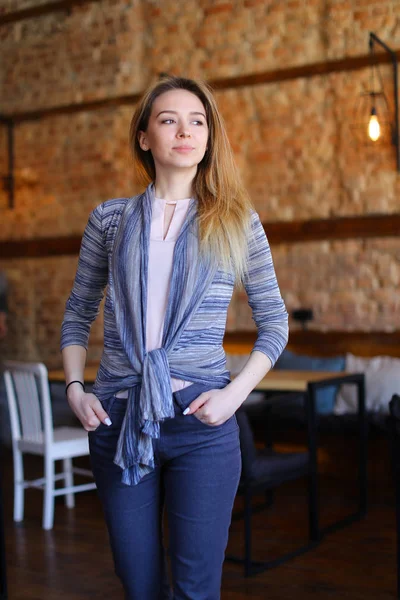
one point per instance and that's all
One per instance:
(117, 46)
(92, 51)
(38, 291)
(10, 6)
(65, 166)
(293, 142)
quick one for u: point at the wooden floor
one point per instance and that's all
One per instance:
(73, 562)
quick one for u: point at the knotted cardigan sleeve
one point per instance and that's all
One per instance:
(264, 297)
(82, 306)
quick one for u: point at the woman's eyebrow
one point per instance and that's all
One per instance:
(175, 113)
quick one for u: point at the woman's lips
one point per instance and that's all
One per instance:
(183, 149)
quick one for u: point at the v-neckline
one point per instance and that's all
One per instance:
(165, 231)
(174, 223)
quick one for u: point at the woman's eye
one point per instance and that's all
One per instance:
(197, 122)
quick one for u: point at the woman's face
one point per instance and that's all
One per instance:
(177, 132)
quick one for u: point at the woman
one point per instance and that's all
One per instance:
(161, 418)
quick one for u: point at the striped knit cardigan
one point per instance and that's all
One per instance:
(114, 253)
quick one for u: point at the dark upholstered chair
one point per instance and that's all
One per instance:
(263, 471)
(394, 429)
(3, 574)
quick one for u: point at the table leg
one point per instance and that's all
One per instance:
(314, 530)
(363, 438)
(358, 380)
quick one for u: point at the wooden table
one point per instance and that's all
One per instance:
(296, 381)
(57, 375)
(284, 381)
(308, 383)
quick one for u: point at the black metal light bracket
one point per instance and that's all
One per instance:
(9, 179)
(395, 128)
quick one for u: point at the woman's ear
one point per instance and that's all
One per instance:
(143, 141)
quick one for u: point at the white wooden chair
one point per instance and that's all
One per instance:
(32, 432)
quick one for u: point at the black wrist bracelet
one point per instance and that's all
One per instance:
(75, 381)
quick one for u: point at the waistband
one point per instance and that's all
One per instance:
(190, 393)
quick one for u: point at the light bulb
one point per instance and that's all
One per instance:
(374, 129)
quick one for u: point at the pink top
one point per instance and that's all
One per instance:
(161, 253)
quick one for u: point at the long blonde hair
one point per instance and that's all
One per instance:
(224, 207)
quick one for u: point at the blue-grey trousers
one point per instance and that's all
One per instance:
(195, 480)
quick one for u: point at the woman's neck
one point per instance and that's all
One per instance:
(173, 186)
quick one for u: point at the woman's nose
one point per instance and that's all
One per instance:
(184, 133)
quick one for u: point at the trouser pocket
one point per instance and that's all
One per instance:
(183, 398)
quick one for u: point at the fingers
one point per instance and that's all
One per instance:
(92, 413)
(90, 421)
(197, 403)
(210, 408)
(101, 413)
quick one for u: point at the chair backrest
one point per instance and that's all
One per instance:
(247, 444)
(393, 423)
(394, 407)
(28, 397)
